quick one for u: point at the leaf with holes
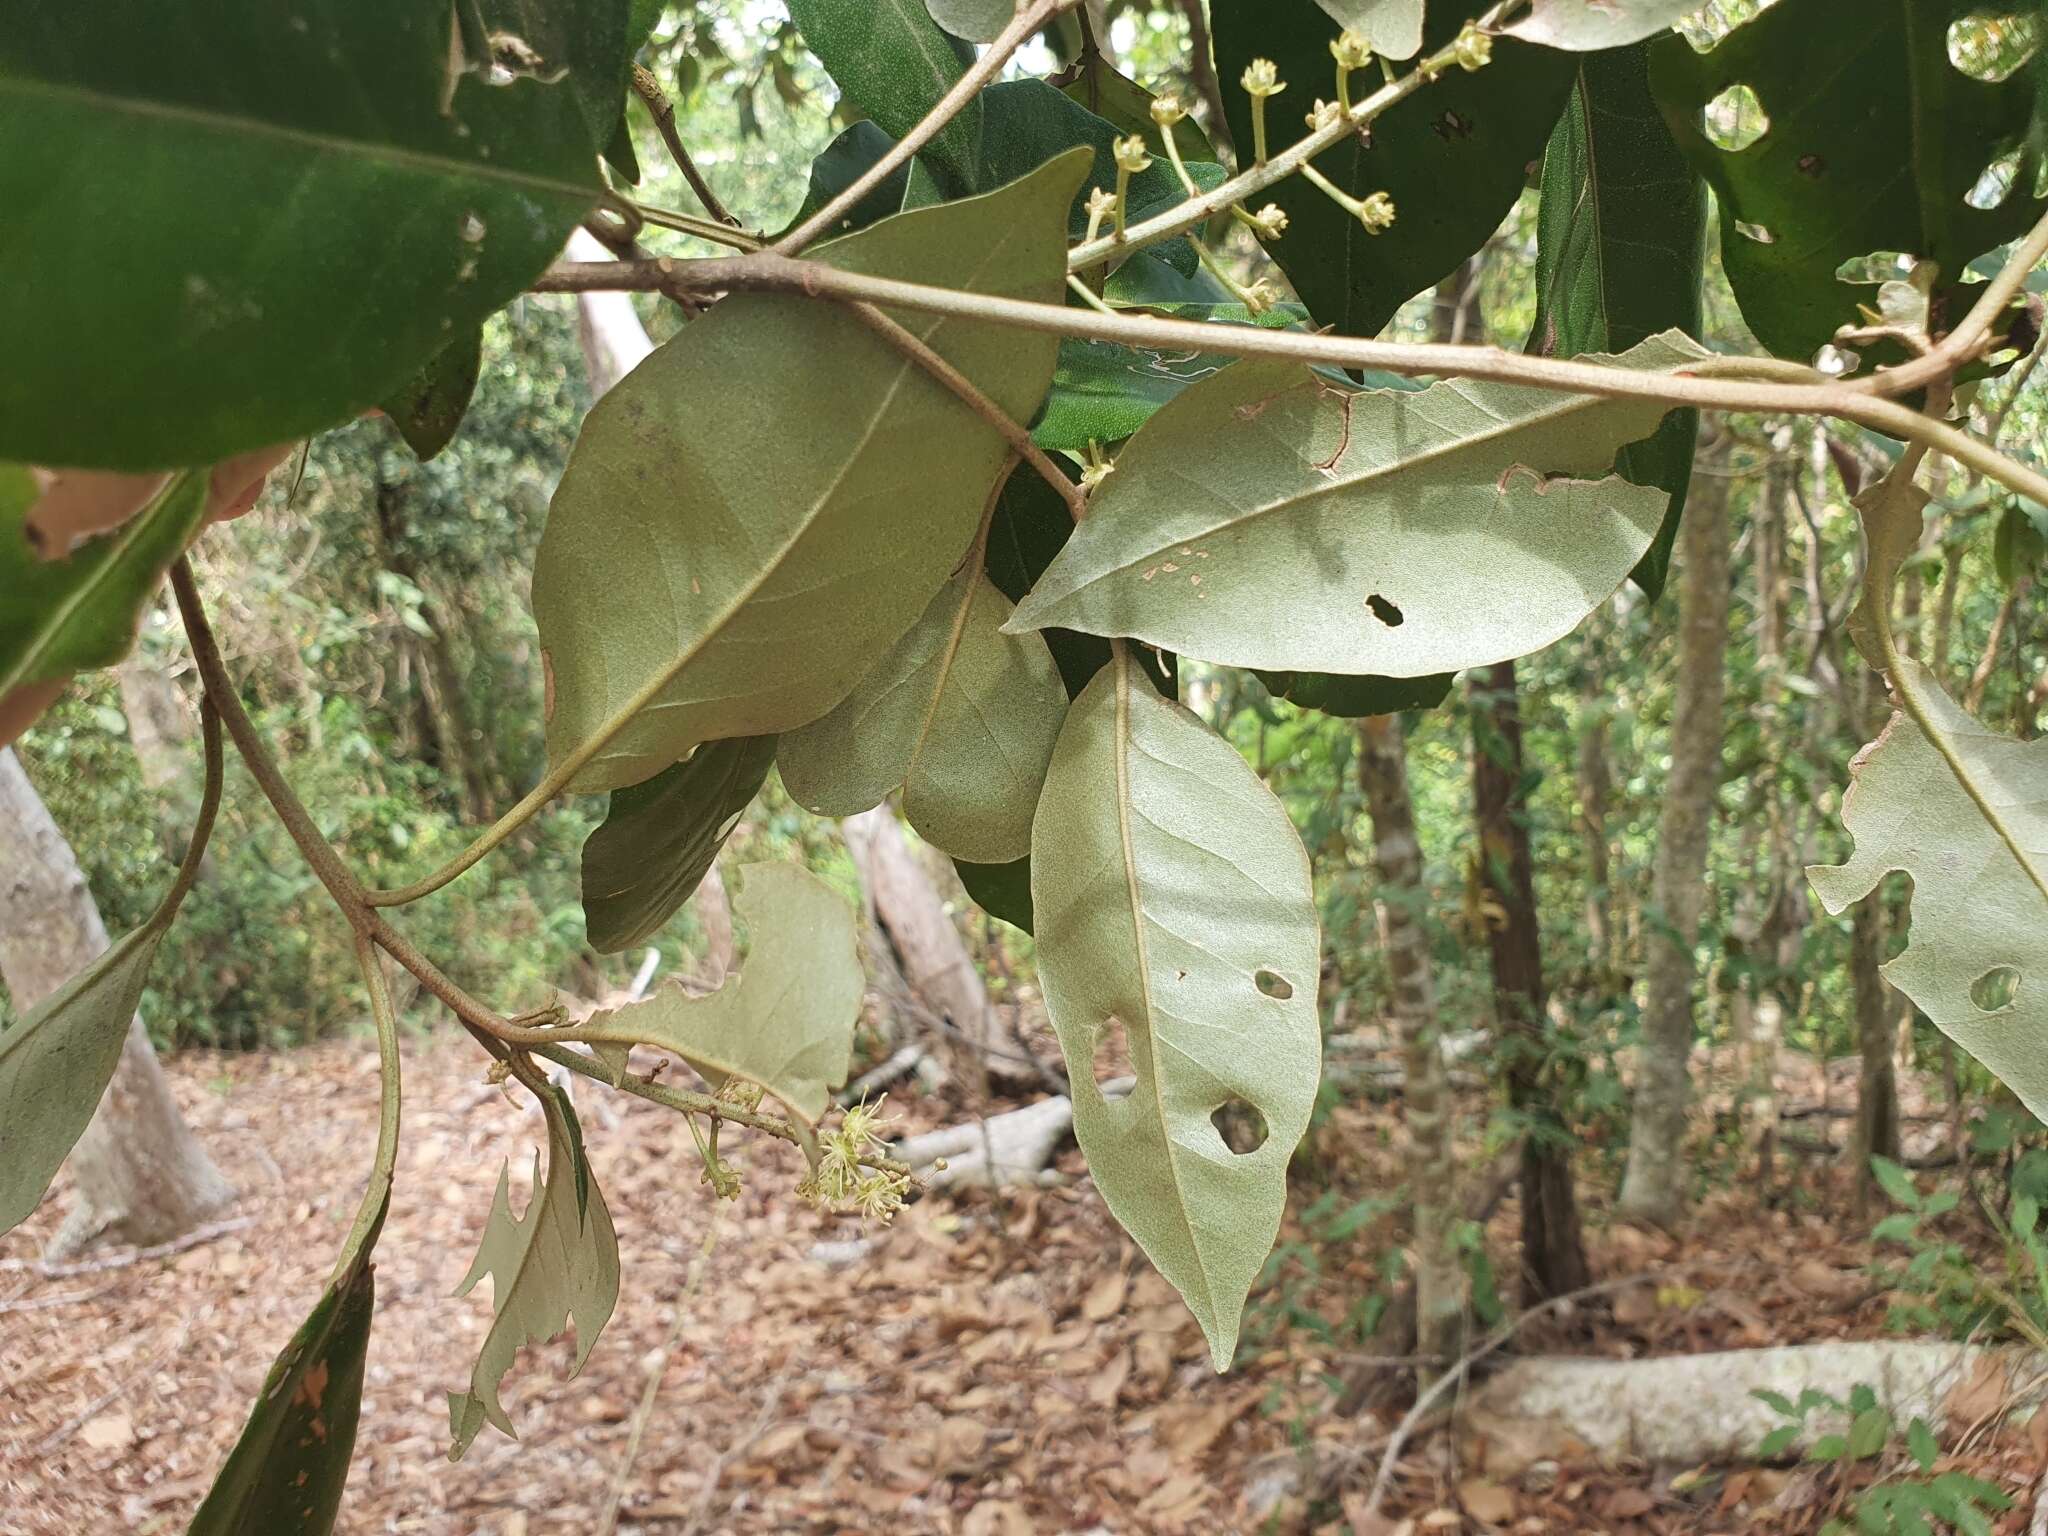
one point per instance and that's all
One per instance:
(660, 838)
(960, 714)
(556, 1264)
(1879, 152)
(1620, 248)
(231, 274)
(708, 571)
(1586, 25)
(785, 1022)
(1977, 963)
(1173, 899)
(288, 1468)
(80, 610)
(1268, 518)
(895, 62)
(1453, 157)
(1391, 28)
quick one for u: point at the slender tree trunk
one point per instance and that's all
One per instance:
(141, 1175)
(1596, 789)
(1653, 1189)
(1877, 1096)
(1553, 1247)
(1432, 1157)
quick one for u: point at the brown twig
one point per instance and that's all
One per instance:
(121, 1260)
(663, 111)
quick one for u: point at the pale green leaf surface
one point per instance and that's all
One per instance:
(976, 20)
(1978, 916)
(1391, 28)
(80, 611)
(1267, 518)
(786, 1021)
(1585, 25)
(290, 1464)
(556, 1264)
(240, 227)
(1172, 895)
(55, 1064)
(660, 838)
(710, 570)
(960, 714)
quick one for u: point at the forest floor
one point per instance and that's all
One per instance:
(989, 1367)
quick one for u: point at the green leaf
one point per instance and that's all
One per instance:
(2018, 546)
(1354, 698)
(288, 1468)
(1828, 1448)
(1895, 1182)
(660, 838)
(706, 570)
(1269, 519)
(843, 162)
(557, 1263)
(1979, 918)
(1454, 157)
(1000, 890)
(1777, 1442)
(960, 714)
(1898, 1227)
(1095, 83)
(1173, 897)
(785, 1022)
(1876, 153)
(1584, 25)
(892, 60)
(70, 614)
(1868, 1433)
(1391, 28)
(203, 255)
(1620, 246)
(1921, 1442)
(429, 407)
(1103, 391)
(1777, 1402)
(55, 1063)
(976, 20)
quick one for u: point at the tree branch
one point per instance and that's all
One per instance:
(649, 90)
(1025, 25)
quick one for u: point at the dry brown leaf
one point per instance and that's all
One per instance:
(108, 1432)
(1980, 1396)
(1629, 1504)
(1487, 1502)
(1107, 1384)
(1105, 1297)
(1190, 1437)
(998, 1517)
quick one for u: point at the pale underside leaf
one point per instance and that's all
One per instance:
(976, 20)
(1977, 963)
(1584, 25)
(961, 715)
(1172, 895)
(556, 1264)
(785, 1022)
(1391, 28)
(1267, 518)
(759, 510)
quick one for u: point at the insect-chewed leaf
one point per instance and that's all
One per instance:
(1977, 963)
(1268, 518)
(1172, 898)
(287, 1471)
(786, 1021)
(79, 610)
(1453, 158)
(960, 714)
(708, 570)
(1586, 25)
(659, 838)
(1620, 244)
(230, 275)
(1879, 155)
(557, 1263)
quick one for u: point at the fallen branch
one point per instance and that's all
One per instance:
(1001, 1150)
(127, 1256)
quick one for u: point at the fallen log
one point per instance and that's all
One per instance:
(1694, 1409)
(998, 1151)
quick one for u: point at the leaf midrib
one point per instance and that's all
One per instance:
(303, 138)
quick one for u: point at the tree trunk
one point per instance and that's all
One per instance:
(1432, 1158)
(141, 1175)
(1653, 1189)
(1877, 1094)
(1553, 1247)
(1596, 789)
